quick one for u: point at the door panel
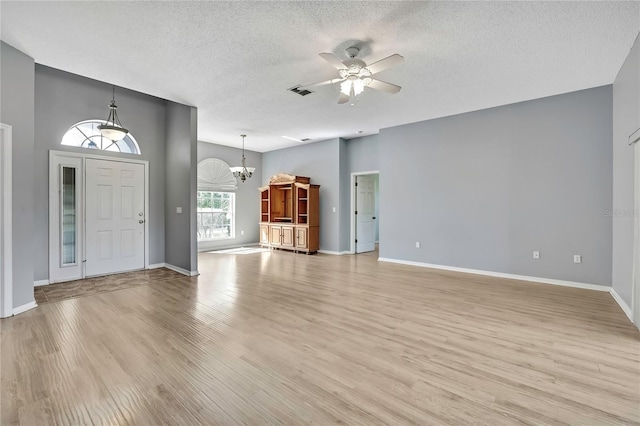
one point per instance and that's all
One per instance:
(128, 243)
(66, 218)
(114, 217)
(301, 238)
(128, 202)
(287, 236)
(365, 206)
(275, 233)
(105, 245)
(264, 234)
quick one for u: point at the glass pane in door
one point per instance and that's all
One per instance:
(68, 215)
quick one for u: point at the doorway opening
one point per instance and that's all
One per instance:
(365, 230)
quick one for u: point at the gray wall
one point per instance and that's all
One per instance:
(321, 162)
(180, 186)
(63, 99)
(193, 187)
(17, 110)
(482, 190)
(626, 119)
(363, 154)
(247, 198)
(330, 164)
(345, 197)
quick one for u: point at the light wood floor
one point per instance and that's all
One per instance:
(283, 338)
(92, 286)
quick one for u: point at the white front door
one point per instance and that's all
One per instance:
(365, 213)
(114, 217)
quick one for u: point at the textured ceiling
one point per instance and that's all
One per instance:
(235, 60)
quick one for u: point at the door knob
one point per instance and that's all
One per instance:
(141, 221)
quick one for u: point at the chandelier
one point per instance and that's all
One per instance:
(113, 129)
(243, 172)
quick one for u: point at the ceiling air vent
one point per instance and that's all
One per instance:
(301, 92)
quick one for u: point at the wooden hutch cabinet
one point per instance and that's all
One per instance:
(290, 213)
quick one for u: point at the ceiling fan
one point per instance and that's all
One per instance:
(355, 74)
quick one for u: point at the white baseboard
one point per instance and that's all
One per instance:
(625, 308)
(181, 271)
(24, 308)
(156, 266)
(501, 275)
(336, 253)
(40, 283)
(174, 268)
(205, 248)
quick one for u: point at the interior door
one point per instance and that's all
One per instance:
(114, 217)
(365, 214)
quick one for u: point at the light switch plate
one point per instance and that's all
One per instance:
(179, 210)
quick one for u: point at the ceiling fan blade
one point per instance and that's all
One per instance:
(333, 60)
(322, 83)
(383, 64)
(343, 99)
(384, 86)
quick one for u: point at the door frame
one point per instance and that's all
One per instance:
(54, 249)
(352, 214)
(635, 302)
(6, 204)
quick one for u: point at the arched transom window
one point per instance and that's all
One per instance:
(87, 135)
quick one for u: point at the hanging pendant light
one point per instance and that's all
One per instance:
(113, 129)
(243, 172)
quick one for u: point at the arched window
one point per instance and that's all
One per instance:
(216, 200)
(87, 135)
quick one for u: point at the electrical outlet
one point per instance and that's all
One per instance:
(334, 209)
(241, 232)
(417, 244)
(536, 254)
(577, 258)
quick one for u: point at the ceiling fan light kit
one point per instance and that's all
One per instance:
(355, 74)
